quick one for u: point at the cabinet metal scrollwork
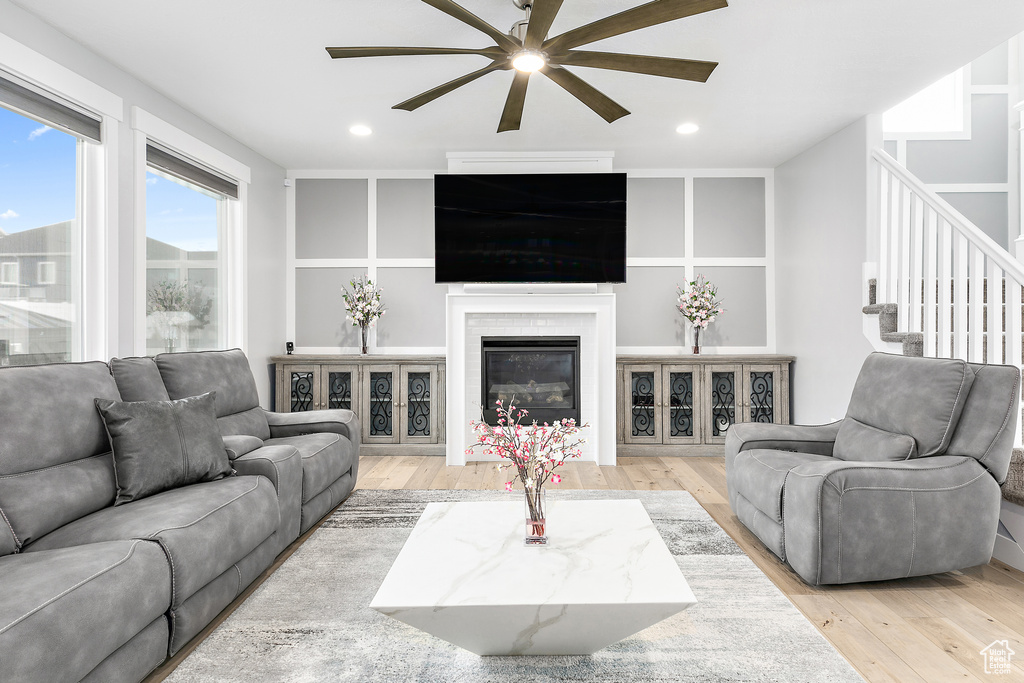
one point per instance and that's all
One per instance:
(681, 403)
(419, 404)
(302, 391)
(339, 390)
(762, 399)
(723, 402)
(381, 408)
(642, 397)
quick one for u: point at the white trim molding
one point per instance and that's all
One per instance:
(26, 63)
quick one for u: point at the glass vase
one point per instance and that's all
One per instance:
(696, 340)
(536, 511)
(364, 331)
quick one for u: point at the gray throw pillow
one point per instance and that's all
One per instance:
(161, 445)
(857, 441)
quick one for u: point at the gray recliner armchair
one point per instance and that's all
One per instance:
(907, 484)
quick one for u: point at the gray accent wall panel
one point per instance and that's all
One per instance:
(645, 309)
(741, 289)
(987, 210)
(982, 159)
(890, 148)
(415, 308)
(330, 218)
(728, 217)
(405, 218)
(319, 309)
(655, 217)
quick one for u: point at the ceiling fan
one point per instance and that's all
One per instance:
(527, 49)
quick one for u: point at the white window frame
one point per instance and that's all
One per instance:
(232, 215)
(94, 276)
(41, 268)
(10, 273)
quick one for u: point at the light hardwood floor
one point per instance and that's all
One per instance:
(922, 630)
(913, 630)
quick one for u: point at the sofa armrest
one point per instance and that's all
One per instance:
(816, 439)
(283, 466)
(238, 445)
(342, 422)
(849, 522)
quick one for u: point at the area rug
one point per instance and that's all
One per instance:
(310, 621)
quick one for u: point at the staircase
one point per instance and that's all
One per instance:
(930, 260)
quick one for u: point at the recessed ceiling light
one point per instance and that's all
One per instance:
(360, 129)
(528, 61)
(687, 128)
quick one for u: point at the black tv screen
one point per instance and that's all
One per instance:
(545, 227)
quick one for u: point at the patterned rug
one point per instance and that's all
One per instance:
(310, 621)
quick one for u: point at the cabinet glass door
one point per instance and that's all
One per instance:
(419, 386)
(341, 385)
(723, 392)
(680, 390)
(643, 414)
(765, 394)
(762, 396)
(302, 381)
(380, 389)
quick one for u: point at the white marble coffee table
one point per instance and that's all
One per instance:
(465, 576)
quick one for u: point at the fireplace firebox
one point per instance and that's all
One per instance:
(539, 374)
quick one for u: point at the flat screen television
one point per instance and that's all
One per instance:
(544, 227)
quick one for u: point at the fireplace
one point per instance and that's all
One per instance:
(540, 374)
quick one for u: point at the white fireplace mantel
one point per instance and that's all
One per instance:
(589, 310)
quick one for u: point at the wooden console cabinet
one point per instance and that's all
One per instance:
(399, 399)
(666, 405)
(684, 405)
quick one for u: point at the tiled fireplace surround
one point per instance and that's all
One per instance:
(586, 311)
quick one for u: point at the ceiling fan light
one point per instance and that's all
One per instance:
(528, 61)
(687, 128)
(360, 130)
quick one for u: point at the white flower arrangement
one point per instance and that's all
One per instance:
(363, 302)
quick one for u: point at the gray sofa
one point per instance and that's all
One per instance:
(94, 592)
(907, 484)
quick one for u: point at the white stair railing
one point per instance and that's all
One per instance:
(950, 281)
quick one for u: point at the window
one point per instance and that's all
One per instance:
(939, 108)
(187, 216)
(9, 273)
(42, 142)
(46, 273)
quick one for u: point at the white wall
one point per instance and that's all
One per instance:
(821, 200)
(266, 210)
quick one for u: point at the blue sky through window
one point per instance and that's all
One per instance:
(180, 215)
(37, 174)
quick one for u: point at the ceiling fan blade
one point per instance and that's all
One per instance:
(465, 16)
(542, 13)
(433, 94)
(605, 107)
(494, 52)
(656, 12)
(512, 115)
(686, 69)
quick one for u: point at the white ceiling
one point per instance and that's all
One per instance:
(791, 73)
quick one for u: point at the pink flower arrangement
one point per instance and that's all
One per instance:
(532, 451)
(698, 304)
